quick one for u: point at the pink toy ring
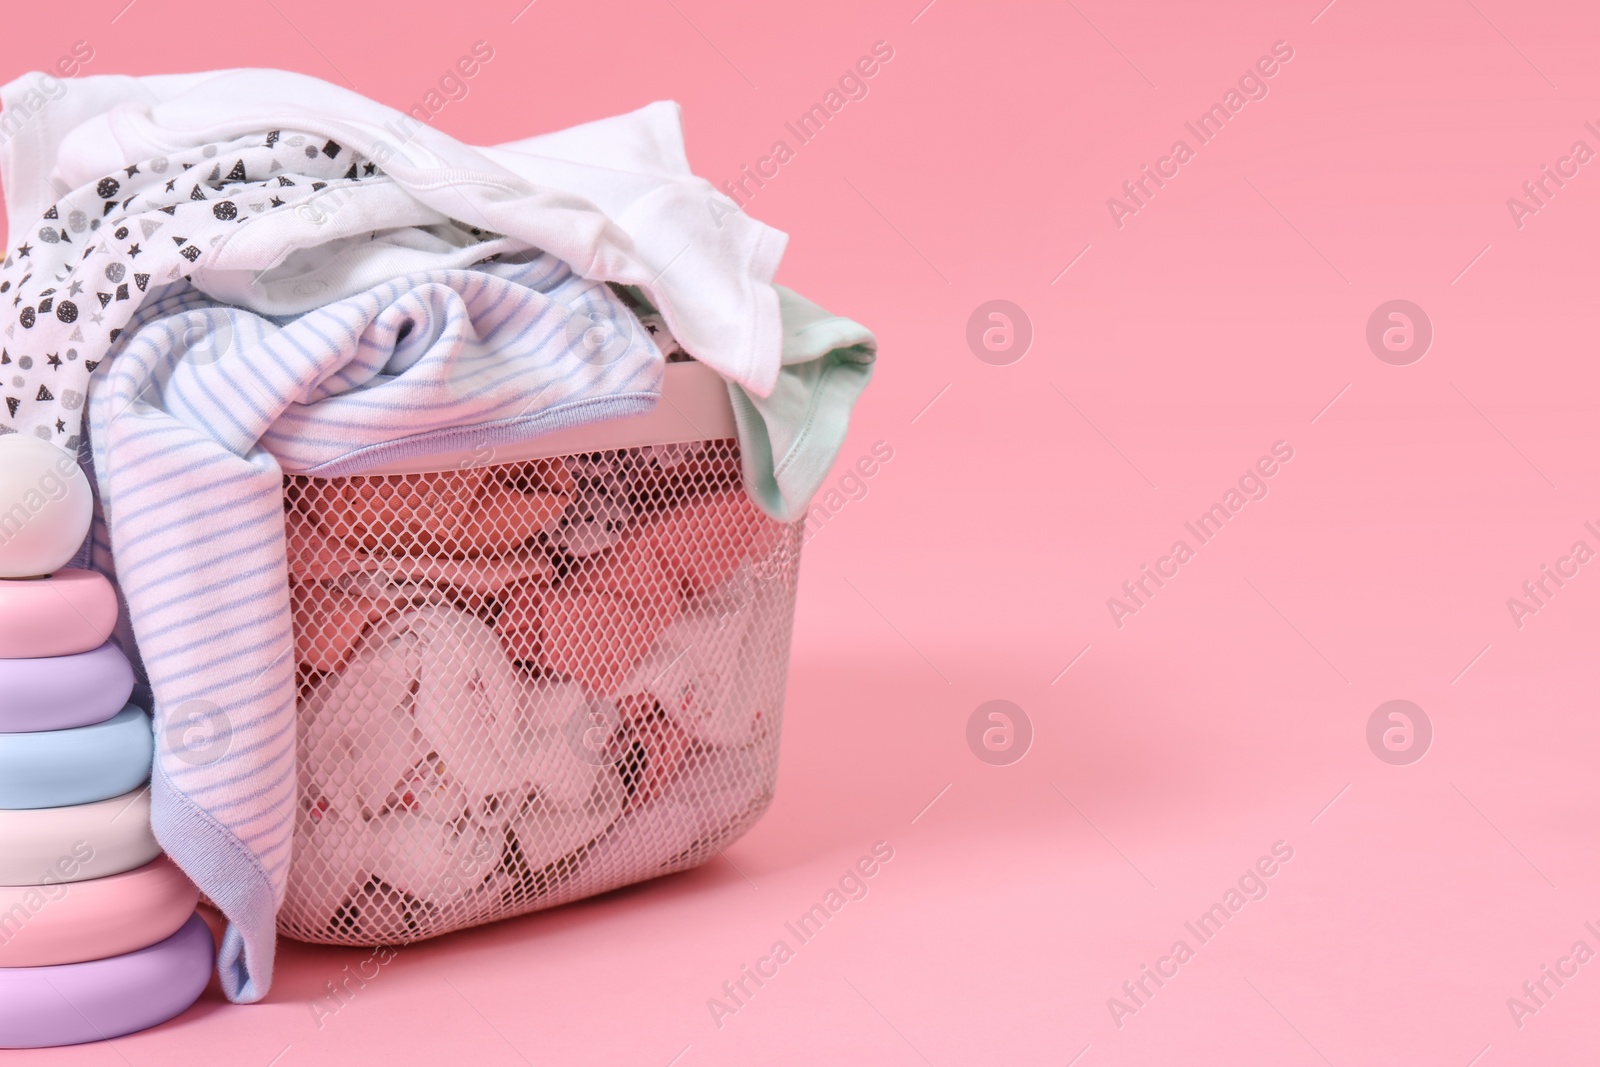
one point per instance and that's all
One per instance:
(78, 1002)
(71, 611)
(79, 921)
(76, 843)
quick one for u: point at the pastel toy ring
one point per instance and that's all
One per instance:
(61, 692)
(69, 612)
(78, 1002)
(73, 922)
(47, 507)
(58, 768)
(73, 844)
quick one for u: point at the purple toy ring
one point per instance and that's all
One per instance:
(61, 692)
(78, 1002)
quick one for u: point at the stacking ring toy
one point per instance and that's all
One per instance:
(46, 845)
(56, 768)
(78, 921)
(46, 504)
(60, 692)
(78, 1002)
(72, 611)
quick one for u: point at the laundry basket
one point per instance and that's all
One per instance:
(529, 675)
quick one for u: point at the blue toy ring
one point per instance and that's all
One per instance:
(58, 768)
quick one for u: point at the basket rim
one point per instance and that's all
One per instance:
(694, 406)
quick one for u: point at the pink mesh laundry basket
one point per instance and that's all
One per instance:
(532, 674)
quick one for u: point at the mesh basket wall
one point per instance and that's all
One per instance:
(527, 683)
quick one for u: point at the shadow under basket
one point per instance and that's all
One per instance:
(532, 674)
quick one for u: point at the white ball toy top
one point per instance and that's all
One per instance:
(46, 507)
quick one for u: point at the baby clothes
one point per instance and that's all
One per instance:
(90, 263)
(362, 549)
(431, 688)
(614, 198)
(250, 208)
(432, 738)
(318, 556)
(240, 274)
(792, 435)
(189, 459)
(707, 669)
(441, 771)
(613, 488)
(655, 749)
(597, 623)
(472, 513)
(716, 796)
(602, 512)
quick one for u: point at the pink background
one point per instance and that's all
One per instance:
(1228, 714)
